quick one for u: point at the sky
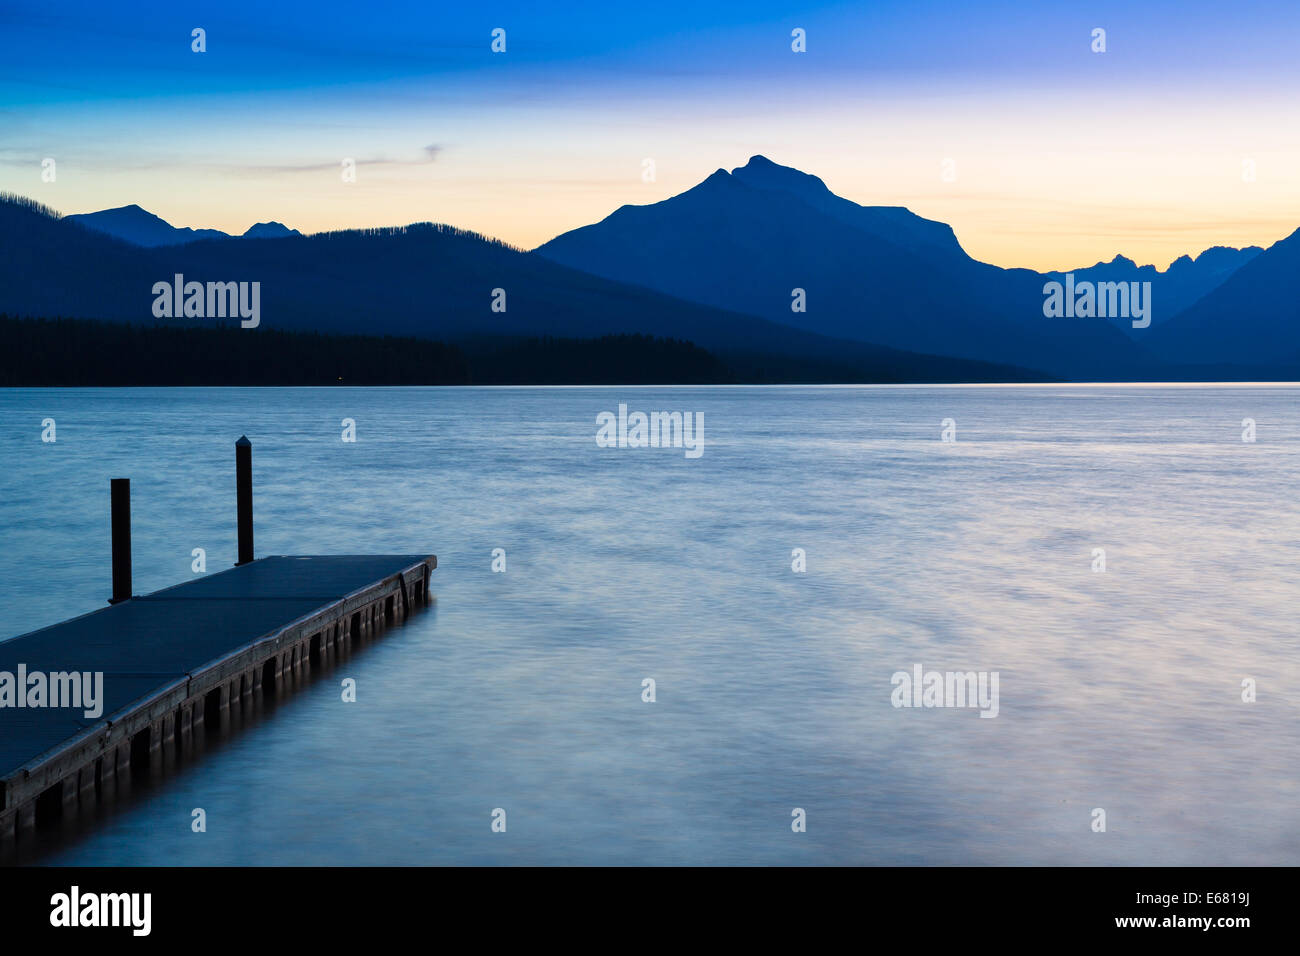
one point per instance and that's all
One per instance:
(997, 118)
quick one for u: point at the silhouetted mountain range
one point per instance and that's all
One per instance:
(718, 265)
(874, 273)
(269, 230)
(142, 228)
(423, 280)
(1185, 281)
(1253, 318)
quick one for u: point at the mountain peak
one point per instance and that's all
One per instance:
(132, 212)
(715, 182)
(141, 227)
(269, 230)
(761, 173)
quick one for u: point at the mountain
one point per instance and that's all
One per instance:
(895, 224)
(423, 280)
(1189, 279)
(1253, 318)
(1185, 281)
(744, 240)
(269, 230)
(888, 295)
(142, 228)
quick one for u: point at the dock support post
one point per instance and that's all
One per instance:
(8, 832)
(244, 498)
(167, 745)
(123, 775)
(68, 794)
(108, 775)
(223, 707)
(155, 747)
(120, 494)
(86, 786)
(26, 825)
(185, 728)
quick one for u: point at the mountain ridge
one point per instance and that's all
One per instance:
(893, 278)
(760, 257)
(730, 244)
(140, 227)
(424, 280)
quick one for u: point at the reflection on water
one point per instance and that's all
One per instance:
(523, 690)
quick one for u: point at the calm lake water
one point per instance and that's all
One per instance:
(523, 690)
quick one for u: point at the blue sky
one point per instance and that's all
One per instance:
(1062, 155)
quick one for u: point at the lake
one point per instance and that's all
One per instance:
(1118, 689)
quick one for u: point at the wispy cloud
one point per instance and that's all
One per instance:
(428, 155)
(25, 156)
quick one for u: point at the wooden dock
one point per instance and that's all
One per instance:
(177, 664)
(182, 657)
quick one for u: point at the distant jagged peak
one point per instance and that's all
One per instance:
(1228, 256)
(1214, 253)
